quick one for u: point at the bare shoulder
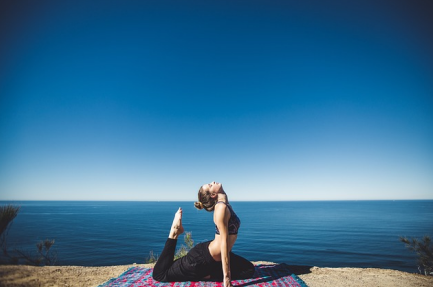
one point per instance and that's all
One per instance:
(220, 208)
(221, 212)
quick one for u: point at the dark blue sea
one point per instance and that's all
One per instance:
(313, 233)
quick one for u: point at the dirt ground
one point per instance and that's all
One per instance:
(312, 276)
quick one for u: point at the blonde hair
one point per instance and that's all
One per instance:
(205, 201)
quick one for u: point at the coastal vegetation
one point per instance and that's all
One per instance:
(424, 251)
(182, 251)
(44, 254)
(184, 248)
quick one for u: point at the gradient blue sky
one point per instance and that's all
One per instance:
(278, 100)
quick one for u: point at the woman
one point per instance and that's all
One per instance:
(212, 260)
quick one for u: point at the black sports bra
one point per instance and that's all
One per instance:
(234, 221)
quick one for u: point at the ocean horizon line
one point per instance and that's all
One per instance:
(293, 200)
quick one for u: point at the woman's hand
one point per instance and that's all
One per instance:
(227, 282)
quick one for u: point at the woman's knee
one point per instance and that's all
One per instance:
(158, 276)
(248, 271)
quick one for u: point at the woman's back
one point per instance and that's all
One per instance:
(230, 216)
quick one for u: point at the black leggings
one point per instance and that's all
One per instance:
(197, 265)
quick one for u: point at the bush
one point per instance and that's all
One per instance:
(424, 251)
(182, 251)
(7, 215)
(44, 255)
(151, 258)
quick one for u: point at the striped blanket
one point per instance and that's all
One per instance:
(265, 275)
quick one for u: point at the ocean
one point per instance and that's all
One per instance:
(312, 233)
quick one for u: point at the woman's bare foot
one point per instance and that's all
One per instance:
(176, 227)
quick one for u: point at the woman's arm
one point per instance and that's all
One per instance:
(222, 215)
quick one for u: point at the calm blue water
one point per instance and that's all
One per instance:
(321, 233)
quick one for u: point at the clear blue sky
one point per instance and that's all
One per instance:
(278, 100)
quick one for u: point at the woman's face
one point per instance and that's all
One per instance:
(213, 187)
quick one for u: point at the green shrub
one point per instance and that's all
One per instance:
(7, 215)
(44, 254)
(151, 258)
(424, 251)
(182, 251)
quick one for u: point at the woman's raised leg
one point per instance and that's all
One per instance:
(165, 260)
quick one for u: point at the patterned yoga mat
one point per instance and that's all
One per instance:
(265, 275)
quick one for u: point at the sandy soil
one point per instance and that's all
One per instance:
(313, 276)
